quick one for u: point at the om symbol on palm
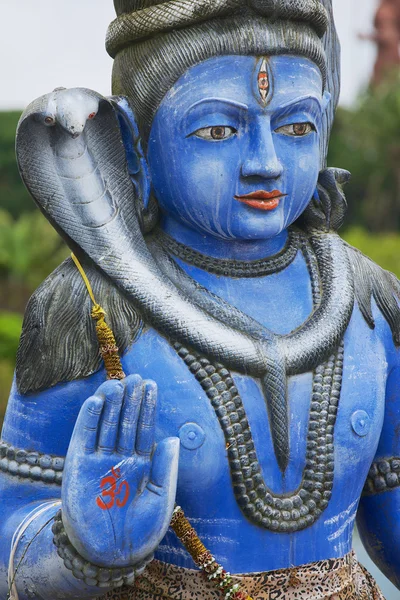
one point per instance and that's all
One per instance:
(117, 495)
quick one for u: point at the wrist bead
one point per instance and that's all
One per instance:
(91, 574)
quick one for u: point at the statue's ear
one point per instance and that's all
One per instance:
(326, 100)
(137, 165)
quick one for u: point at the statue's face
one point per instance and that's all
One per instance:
(234, 146)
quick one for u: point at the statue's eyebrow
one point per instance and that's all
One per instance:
(228, 102)
(299, 100)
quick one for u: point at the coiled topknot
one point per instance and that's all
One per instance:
(138, 19)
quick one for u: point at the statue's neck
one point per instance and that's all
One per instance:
(222, 248)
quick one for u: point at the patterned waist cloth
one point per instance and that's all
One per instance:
(335, 579)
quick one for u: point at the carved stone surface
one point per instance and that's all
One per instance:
(384, 475)
(31, 465)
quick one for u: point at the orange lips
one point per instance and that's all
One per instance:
(261, 199)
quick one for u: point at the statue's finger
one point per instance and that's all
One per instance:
(113, 392)
(130, 414)
(145, 432)
(87, 424)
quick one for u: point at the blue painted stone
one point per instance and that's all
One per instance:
(45, 461)
(192, 436)
(360, 422)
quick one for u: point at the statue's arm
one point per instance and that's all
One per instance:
(28, 506)
(113, 440)
(378, 516)
(30, 564)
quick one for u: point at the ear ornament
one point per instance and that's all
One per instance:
(328, 205)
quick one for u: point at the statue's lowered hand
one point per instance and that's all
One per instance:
(119, 489)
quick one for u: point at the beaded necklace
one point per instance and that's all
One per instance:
(285, 513)
(228, 267)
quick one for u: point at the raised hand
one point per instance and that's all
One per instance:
(118, 489)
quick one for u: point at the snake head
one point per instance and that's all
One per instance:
(70, 109)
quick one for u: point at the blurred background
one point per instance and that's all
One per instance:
(48, 43)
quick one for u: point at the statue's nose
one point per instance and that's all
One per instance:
(261, 159)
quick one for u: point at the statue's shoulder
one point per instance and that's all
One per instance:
(58, 341)
(372, 282)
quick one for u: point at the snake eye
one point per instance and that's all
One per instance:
(49, 120)
(92, 115)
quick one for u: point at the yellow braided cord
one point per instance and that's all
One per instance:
(84, 277)
(107, 344)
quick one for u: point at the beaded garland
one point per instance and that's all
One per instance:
(203, 558)
(227, 267)
(383, 475)
(276, 512)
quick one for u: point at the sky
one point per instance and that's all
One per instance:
(51, 43)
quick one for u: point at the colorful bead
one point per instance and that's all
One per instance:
(203, 557)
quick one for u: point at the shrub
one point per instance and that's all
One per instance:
(10, 330)
(384, 249)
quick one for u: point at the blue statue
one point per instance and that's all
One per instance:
(251, 355)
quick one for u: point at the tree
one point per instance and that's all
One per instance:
(366, 141)
(13, 195)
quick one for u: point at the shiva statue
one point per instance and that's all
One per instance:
(205, 396)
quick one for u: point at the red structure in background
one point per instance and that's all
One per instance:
(387, 38)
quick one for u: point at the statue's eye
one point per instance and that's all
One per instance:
(296, 129)
(216, 133)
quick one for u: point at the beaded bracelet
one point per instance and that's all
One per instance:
(91, 574)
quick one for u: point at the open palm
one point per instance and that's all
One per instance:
(119, 489)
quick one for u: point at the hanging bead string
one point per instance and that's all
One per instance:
(107, 344)
(179, 524)
(203, 558)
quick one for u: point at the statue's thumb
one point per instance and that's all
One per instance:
(164, 471)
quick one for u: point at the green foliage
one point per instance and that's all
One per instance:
(6, 376)
(10, 330)
(384, 249)
(29, 248)
(366, 141)
(13, 196)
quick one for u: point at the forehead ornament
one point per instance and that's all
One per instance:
(263, 81)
